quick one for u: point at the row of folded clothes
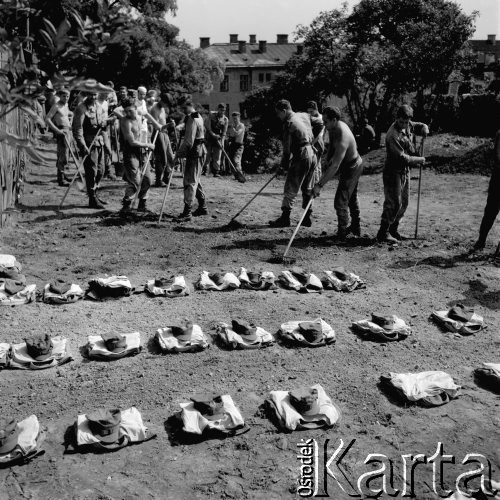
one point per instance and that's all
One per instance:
(209, 414)
(44, 351)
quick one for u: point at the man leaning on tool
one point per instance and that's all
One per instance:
(193, 149)
(216, 136)
(302, 170)
(343, 156)
(401, 154)
(88, 120)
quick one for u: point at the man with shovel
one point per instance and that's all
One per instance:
(401, 155)
(302, 169)
(343, 156)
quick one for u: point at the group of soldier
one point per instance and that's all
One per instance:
(145, 120)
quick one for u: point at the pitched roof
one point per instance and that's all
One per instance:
(276, 54)
(485, 46)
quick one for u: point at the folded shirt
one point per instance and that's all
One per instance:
(473, 324)
(168, 342)
(290, 419)
(72, 294)
(24, 296)
(432, 387)
(163, 288)
(9, 265)
(293, 331)
(301, 281)
(19, 357)
(342, 281)
(195, 423)
(399, 330)
(231, 339)
(96, 347)
(29, 440)
(217, 281)
(112, 287)
(264, 280)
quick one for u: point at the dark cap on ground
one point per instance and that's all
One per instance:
(105, 424)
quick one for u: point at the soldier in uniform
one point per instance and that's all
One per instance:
(193, 149)
(88, 120)
(303, 173)
(216, 135)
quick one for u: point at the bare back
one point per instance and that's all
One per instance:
(342, 138)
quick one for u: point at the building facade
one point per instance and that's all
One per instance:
(248, 65)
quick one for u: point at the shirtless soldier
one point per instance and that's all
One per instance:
(342, 155)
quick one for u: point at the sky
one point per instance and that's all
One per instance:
(266, 18)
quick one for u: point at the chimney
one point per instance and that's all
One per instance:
(204, 42)
(242, 46)
(253, 39)
(492, 39)
(282, 39)
(233, 38)
(300, 49)
(262, 46)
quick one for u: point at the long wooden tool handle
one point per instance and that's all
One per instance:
(298, 226)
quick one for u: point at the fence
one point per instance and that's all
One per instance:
(12, 162)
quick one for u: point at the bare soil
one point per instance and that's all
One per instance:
(411, 280)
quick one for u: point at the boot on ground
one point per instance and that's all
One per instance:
(201, 210)
(186, 215)
(384, 237)
(126, 207)
(283, 220)
(95, 203)
(307, 222)
(61, 181)
(354, 229)
(142, 206)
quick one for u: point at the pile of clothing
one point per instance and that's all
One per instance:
(243, 335)
(35, 353)
(301, 281)
(212, 414)
(109, 346)
(163, 287)
(264, 280)
(340, 280)
(303, 408)
(20, 442)
(60, 291)
(13, 288)
(217, 281)
(110, 430)
(382, 328)
(307, 333)
(489, 376)
(432, 388)
(109, 288)
(186, 337)
(459, 319)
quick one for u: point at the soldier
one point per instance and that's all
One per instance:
(303, 172)
(193, 149)
(236, 133)
(342, 155)
(58, 121)
(216, 135)
(318, 129)
(401, 155)
(88, 122)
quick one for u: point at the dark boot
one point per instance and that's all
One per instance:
(283, 220)
(127, 207)
(95, 203)
(186, 215)
(354, 228)
(307, 222)
(342, 233)
(393, 231)
(61, 181)
(142, 206)
(384, 237)
(201, 210)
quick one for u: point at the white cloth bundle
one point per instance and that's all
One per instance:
(291, 419)
(114, 286)
(229, 282)
(266, 280)
(196, 423)
(399, 331)
(170, 343)
(72, 295)
(96, 347)
(178, 288)
(473, 325)
(28, 440)
(28, 294)
(231, 339)
(131, 426)
(21, 359)
(350, 283)
(9, 263)
(291, 331)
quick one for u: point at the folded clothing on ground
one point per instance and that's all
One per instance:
(9, 266)
(304, 408)
(33, 355)
(460, 320)
(53, 294)
(431, 388)
(167, 288)
(384, 328)
(241, 335)
(13, 293)
(20, 441)
(307, 333)
(185, 338)
(264, 280)
(217, 281)
(212, 412)
(112, 287)
(301, 281)
(113, 346)
(110, 429)
(342, 281)
(489, 374)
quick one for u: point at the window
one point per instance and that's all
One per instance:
(224, 84)
(244, 83)
(261, 77)
(243, 111)
(268, 77)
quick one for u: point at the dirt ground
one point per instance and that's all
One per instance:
(412, 280)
